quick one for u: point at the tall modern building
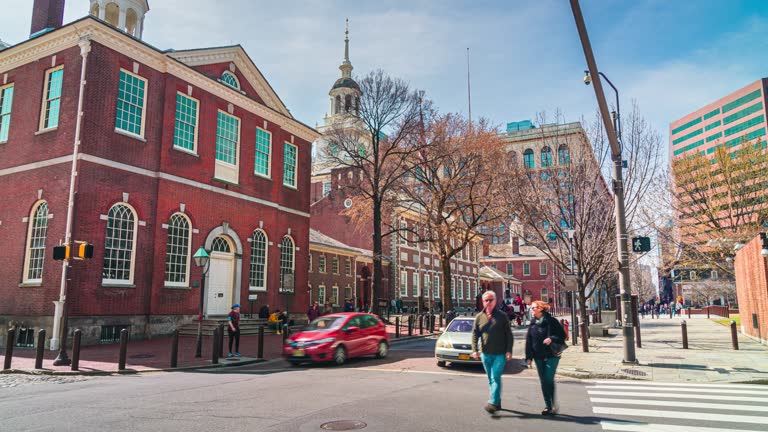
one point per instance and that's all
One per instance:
(726, 121)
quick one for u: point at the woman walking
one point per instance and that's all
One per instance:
(543, 344)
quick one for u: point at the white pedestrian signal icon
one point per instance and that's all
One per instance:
(641, 244)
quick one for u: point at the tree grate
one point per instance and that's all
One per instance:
(634, 372)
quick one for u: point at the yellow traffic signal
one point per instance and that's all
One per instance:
(85, 251)
(61, 252)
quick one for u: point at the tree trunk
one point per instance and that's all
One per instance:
(583, 319)
(378, 268)
(445, 263)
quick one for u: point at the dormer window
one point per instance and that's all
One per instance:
(231, 80)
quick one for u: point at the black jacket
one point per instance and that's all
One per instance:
(534, 340)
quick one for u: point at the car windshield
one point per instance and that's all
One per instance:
(325, 324)
(459, 326)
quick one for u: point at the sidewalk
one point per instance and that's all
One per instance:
(709, 357)
(155, 355)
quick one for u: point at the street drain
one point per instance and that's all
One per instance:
(634, 372)
(141, 356)
(343, 425)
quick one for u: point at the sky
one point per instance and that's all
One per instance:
(671, 57)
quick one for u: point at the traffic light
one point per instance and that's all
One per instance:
(60, 252)
(85, 251)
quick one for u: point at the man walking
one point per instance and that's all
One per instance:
(493, 329)
(233, 329)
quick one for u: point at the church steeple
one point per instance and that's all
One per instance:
(346, 65)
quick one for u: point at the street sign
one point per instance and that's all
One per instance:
(641, 244)
(288, 284)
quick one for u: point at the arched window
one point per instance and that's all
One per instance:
(546, 157)
(287, 251)
(337, 107)
(347, 103)
(38, 227)
(177, 250)
(258, 278)
(563, 155)
(220, 244)
(230, 79)
(95, 10)
(131, 19)
(357, 105)
(119, 244)
(528, 159)
(112, 13)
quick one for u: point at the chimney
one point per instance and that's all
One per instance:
(46, 15)
(515, 245)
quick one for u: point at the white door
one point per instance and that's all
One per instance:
(221, 276)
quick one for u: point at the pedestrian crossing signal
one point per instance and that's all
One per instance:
(85, 251)
(61, 252)
(641, 244)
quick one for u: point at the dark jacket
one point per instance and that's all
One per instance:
(496, 334)
(549, 327)
(264, 312)
(313, 313)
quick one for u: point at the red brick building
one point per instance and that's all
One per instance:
(337, 272)
(751, 268)
(173, 151)
(529, 266)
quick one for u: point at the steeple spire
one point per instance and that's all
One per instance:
(346, 65)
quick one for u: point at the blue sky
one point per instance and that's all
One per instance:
(671, 56)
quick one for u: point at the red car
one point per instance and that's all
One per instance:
(338, 337)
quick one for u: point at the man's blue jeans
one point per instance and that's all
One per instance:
(546, 369)
(494, 367)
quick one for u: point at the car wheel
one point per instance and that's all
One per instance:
(382, 350)
(441, 363)
(340, 355)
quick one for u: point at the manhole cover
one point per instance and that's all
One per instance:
(634, 372)
(141, 356)
(671, 357)
(343, 425)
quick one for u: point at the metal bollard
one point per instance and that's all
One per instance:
(575, 333)
(707, 311)
(441, 319)
(286, 332)
(78, 335)
(684, 328)
(40, 349)
(215, 347)
(689, 313)
(638, 342)
(123, 349)
(421, 324)
(397, 327)
(9, 343)
(261, 342)
(175, 349)
(410, 325)
(670, 312)
(734, 336)
(584, 337)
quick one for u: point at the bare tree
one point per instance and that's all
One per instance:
(642, 282)
(705, 291)
(378, 145)
(453, 188)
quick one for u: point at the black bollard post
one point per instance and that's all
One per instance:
(261, 342)
(123, 349)
(684, 328)
(175, 349)
(575, 333)
(221, 340)
(441, 320)
(410, 325)
(421, 324)
(584, 337)
(734, 336)
(707, 311)
(9, 343)
(78, 335)
(40, 349)
(689, 312)
(637, 336)
(397, 327)
(215, 347)
(286, 332)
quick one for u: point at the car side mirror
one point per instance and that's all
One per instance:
(442, 329)
(352, 329)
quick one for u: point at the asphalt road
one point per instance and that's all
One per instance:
(404, 392)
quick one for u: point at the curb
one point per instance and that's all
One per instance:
(394, 341)
(127, 371)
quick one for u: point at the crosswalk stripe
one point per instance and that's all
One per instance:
(664, 384)
(678, 404)
(653, 427)
(682, 389)
(680, 396)
(680, 415)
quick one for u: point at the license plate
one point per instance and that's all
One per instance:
(463, 356)
(298, 353)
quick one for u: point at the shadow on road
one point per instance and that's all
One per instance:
(560, 418)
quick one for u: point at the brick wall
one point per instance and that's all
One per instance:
(751, 270)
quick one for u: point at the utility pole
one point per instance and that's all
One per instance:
(618, 188)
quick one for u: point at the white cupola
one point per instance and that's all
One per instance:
(126, 15)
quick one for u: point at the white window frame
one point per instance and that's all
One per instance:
(4, 89)
(544, 294)
(321, 294)
(403, 235)
(197, 125)
(542, 268)
(427, 286)
(143, 107)
(348, 267)
(348, 294)
(335, 295)
(225, 170)
(511, 266)
(453, 288)
(237, 80)
(309, 268)
(28, 250)
(326, 188)
(461, 289)
(335, 265)
(292, 258)
(132, 267)
(184, 283)
(437, 286)
(266, 261)
(416, 285)
(46, 100)
(403, 283)
(321, 263)
(268, 175)
(295, 184)
(526, 269)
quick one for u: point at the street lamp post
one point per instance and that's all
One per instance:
(617, 117)
(618, 188)
(202, 259)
